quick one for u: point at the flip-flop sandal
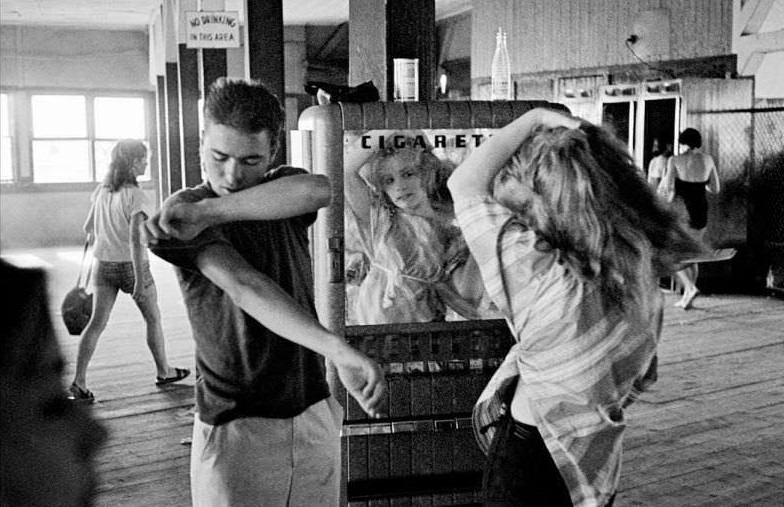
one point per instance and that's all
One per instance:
(76, 393)
(180, 373)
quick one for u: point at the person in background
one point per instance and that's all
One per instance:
(570, 241)
(119, 208)
(48, 444)
(689, 175)
(418, 267)
(267, 431)
(658, 164)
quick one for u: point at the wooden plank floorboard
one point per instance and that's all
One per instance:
(149, 467)
(159, 427)
(709, 433)
(158, 483)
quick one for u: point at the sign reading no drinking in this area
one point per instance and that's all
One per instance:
(212, 29)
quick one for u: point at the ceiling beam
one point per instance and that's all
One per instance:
(332, 43)
(753, 14)
(751, 49)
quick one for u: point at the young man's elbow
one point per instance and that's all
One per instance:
(240, 288)
(322, 191)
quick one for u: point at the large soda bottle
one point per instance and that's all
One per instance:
(501, 71)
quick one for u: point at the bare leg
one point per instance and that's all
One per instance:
(103, 302)
(688, 278)
(148, 305)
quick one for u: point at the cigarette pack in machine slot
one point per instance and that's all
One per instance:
(405, 291)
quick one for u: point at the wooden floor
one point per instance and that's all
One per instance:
(710, 433)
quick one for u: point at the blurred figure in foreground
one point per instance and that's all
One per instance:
(48, 444)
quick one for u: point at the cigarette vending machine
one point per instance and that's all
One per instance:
(423, 451)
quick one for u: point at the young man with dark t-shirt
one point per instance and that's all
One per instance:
(267, 429)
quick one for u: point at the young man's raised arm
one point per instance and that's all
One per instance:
(284, 197)
(264, 300)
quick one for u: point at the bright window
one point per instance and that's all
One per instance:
(61, 161)
(61, 150)
(6, 158)
(119, 118)
(116, 118)
(71, 145)
(63, 116)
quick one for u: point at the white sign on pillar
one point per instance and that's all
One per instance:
(212, 29)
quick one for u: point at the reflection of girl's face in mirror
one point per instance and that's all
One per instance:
(402, 182)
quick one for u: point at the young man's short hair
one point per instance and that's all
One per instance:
(246, 105)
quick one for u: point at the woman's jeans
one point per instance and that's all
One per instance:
(520, 470)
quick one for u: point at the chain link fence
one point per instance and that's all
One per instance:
(748, 213)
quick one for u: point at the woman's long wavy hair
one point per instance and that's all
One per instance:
(124, 154)
(433, 173)
(590, 202)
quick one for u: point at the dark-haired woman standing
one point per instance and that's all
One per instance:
(689, 175)
(119, 208)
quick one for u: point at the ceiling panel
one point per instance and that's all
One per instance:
(101, 14)
(136, 14)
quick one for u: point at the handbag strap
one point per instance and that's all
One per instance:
(81, 265)
(498, 252)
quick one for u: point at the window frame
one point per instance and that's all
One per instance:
(21, 133)
(11, 137)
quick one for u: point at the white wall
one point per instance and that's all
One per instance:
(50, 218)
(550, 35)
(73, 58)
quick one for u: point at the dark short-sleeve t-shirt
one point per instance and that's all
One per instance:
(244, 369)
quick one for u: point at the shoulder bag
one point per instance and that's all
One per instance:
(77, 306)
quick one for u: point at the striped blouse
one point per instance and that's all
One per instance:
(578, 366)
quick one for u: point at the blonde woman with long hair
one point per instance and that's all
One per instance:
(570, 241)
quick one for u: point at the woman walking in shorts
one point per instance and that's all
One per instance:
(119, 208)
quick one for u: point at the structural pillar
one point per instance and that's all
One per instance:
(411, 33)
(189, 101)
(367, 53)
(163, 147)
(264, 22)
(172, 101)
(410, 29)
(213, 65)
(158, 80)
(189, 116)
(212, 61)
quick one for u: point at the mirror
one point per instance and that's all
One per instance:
(405, 259)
